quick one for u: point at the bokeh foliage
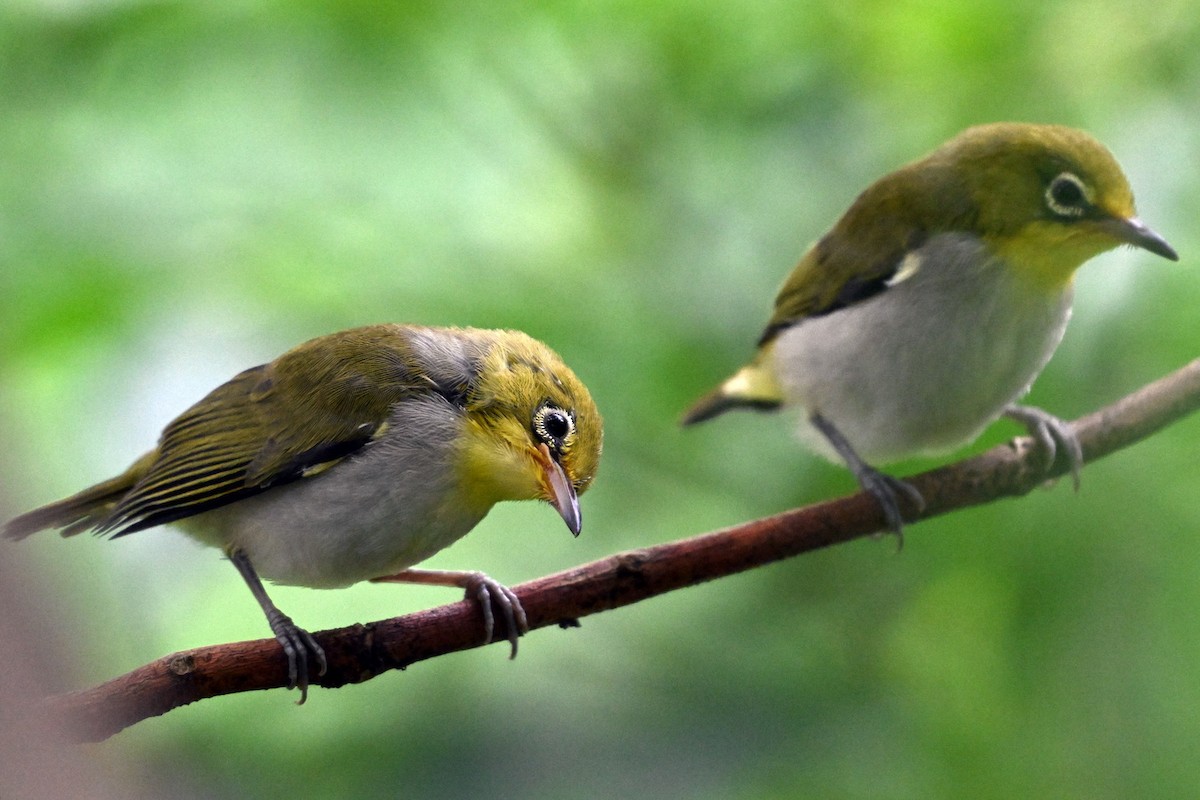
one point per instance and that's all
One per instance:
(190, 188)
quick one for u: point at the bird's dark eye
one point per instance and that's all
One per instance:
(1067, 196)
(553, 425)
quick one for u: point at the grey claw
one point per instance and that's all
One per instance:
(297, 643)
(1051, 434)
(886, 490)
(488, 593)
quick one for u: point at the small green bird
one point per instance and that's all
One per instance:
(354, 456)
(932, 304)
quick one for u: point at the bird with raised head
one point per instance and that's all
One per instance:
(929, 308)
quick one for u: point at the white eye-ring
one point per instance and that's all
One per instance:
(553, 426)
(1068, 196)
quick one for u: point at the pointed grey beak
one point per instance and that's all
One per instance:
(562, 493)
(1137, 233)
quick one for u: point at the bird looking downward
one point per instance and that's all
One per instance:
(355, 456)
(929, 308)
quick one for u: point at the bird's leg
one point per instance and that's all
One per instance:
(296, 642)
(480, 588)
(884, 488)
(1051, 433)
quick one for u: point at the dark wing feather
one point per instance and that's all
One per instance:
(857, 258)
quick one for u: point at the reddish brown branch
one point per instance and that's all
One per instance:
(360, 652)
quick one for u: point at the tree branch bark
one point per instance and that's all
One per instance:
(360, 652)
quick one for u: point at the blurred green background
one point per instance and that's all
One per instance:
(189, 189)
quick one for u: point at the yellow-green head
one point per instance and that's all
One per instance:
(1045, 197)
(533, 430)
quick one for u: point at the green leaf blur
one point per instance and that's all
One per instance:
(189, 189)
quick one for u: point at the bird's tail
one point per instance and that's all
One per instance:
(753, 386)
(79, 512)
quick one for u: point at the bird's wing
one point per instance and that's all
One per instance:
(828, 278)
(279, 422)
(865, 252)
